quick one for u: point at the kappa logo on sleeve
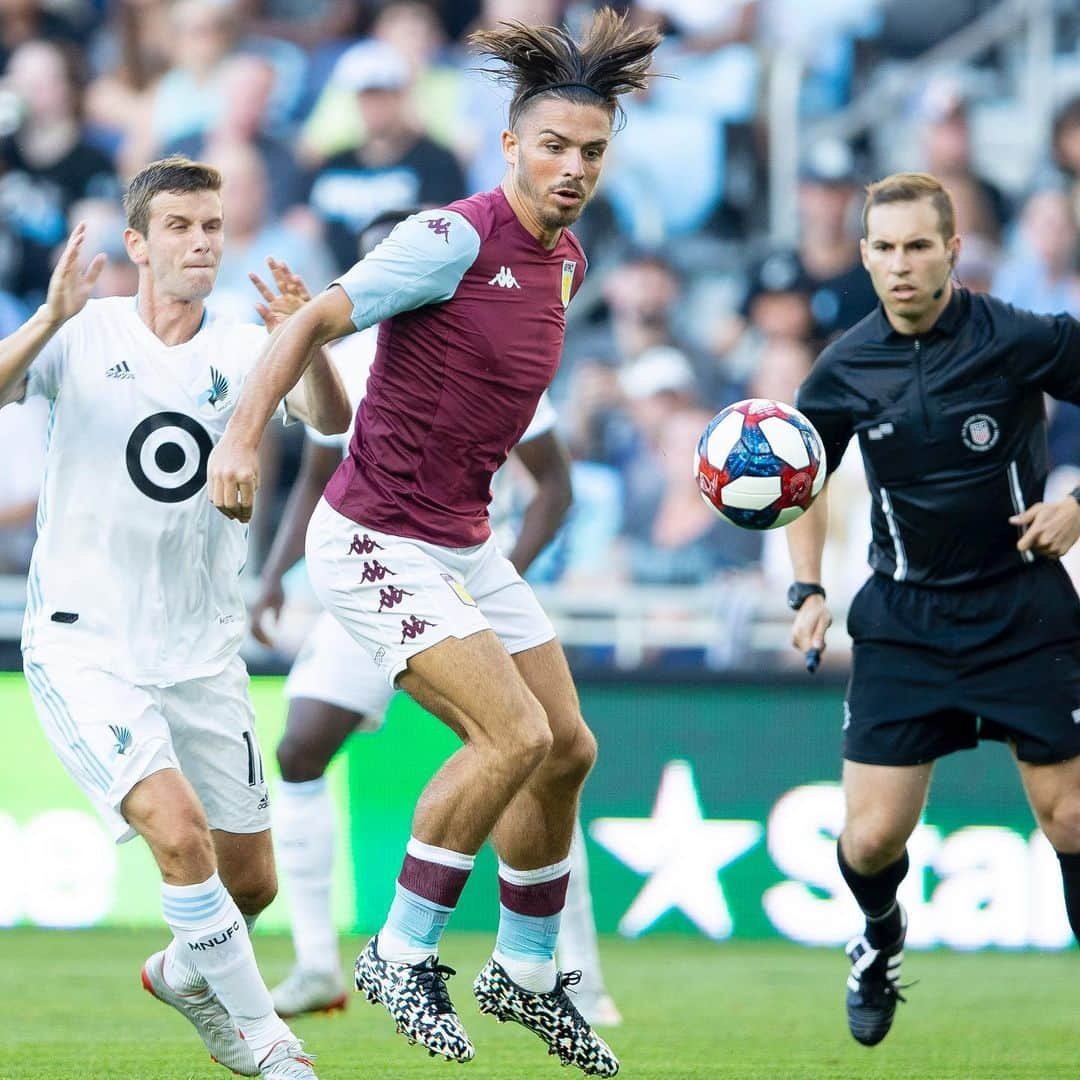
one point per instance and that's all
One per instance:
(440, 227)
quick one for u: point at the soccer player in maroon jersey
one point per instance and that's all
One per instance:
(472, 301)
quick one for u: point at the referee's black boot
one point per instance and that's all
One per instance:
(873, 987)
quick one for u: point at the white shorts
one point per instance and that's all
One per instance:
(397, 596)
(110, 734)
(331, 667)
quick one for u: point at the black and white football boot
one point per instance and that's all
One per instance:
(873, 986)
(553, 1016)
(415, 996)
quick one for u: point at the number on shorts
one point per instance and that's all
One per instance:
(255, 765)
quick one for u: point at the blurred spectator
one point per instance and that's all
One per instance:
(246, 85)
(189, 98)
(396, 165)
(22, 21)
(1042, 275)
(311, 24)
(128, 56)
(412, 29)
(977, 265)
(255, 233)
(980, 205)
(48, 162)
(1066, 149)
(672, 537)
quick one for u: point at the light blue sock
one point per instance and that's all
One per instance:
(413, 928)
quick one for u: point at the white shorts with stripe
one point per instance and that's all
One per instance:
(110, 734)
(397, 596)
(331, 667)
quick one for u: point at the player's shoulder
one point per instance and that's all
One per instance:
(485, 211)
(574, 244)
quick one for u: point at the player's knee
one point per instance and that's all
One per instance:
(299, 761)
(573, 754)
(1061, 823)
(528, 738)
(257, 894)
(184, 849)
(870, 846)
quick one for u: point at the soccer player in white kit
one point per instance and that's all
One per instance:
(134, 611)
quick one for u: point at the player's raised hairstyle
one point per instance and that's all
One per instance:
(175, 174)
(910, 187)
(611, 59)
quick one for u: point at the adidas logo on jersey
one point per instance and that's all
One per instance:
(505, 279)
(119, 371)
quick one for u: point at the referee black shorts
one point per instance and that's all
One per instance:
(936, 670)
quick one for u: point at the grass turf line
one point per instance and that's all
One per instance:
(73, 1008)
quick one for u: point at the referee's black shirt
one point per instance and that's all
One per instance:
(952, 429)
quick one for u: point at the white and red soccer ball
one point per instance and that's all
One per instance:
(760, 463)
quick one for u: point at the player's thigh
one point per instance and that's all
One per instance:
(473, 685)
(166, 812)
(396, 597)
(108, 733)
(884, 803)
(213, 730)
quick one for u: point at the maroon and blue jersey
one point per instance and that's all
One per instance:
(473, 313)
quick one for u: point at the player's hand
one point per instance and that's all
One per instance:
(1050, 529)
(269, 603)
(69, 286)
(811, 622)
(291, 296)
(232, 477)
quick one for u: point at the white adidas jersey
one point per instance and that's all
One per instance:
(134, 570)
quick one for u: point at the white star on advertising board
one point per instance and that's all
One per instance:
(681, 851)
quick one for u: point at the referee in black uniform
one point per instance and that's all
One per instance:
(969, 627)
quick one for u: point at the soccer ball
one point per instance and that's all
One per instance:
(759, 463)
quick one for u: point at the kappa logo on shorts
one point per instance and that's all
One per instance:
(123, 737)
(391, 596)
(363, 547)
(412, 628)
(1076, 716)
(980, 432)
(847, 717)
(375, 571)
(459, 590)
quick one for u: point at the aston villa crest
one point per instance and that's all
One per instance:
(568, 268)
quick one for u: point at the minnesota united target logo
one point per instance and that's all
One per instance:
(217, 397)
(166, 456)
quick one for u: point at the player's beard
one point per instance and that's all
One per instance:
(550, 217)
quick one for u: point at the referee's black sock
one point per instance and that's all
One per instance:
(876, 895)
(1070, 878)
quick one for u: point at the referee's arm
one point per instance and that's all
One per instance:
(806, 542)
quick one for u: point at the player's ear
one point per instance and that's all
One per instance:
(863, 253)
(135, 245)
(510, 147)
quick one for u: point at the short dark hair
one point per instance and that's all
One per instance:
(911, 187)
(612, 59)
(173, 174)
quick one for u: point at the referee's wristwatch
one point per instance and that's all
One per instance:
(801, 591)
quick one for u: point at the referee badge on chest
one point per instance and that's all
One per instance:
(980, 432)
(568, 268)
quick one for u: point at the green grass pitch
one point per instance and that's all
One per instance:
(72, 1007)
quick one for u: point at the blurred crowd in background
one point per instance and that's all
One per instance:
(324, 114)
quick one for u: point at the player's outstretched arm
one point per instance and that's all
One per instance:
(548, 461)
(806, 543)
(69, 288)
(232, 475)
(317, 465)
